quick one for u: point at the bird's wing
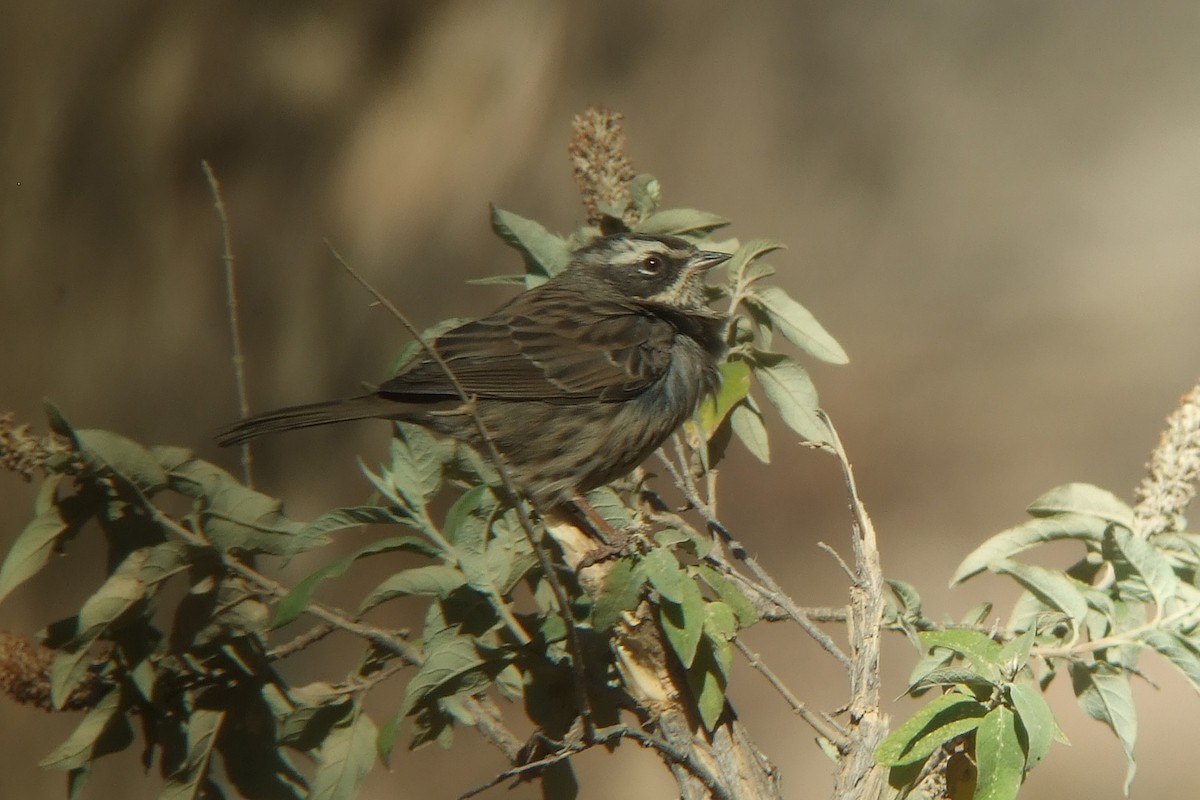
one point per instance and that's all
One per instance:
(550, 346)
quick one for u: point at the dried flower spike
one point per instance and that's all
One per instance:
(1174, 468)
(600, 165)
(25, 454)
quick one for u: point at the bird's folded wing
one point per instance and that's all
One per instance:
(568, 351)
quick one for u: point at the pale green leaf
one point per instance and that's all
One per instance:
(979, 649)
(664, 573)
(683, 622)
(294, 602)
(345, 758)
(622, 592)
(943, 719)
(202, 728)
(998, 756)
(1104, 694)
(680, 221)
(79, 748)
(1081, 527)
(125, 457)
(787, 385)
(1036, 718)
(446, 659)
(747, 423)
(437, 580)
(1149, 563)
(32, 548)
(797, 324)
(545, 253)
(1083, 498)
(746, 254)
(1052, 587)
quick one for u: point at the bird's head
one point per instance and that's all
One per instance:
(665, 270)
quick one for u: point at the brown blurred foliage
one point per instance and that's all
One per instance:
(992, 206)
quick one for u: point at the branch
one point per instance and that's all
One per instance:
(235, 330)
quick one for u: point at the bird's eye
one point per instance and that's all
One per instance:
(652, 265)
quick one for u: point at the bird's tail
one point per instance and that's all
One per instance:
(306, 416)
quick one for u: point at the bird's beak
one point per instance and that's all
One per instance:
(707, 259)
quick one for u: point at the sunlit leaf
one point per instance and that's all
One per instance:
(1036, 718)
(679, 221)
(545, 253)
(437, 580)
(797, 324)
(1080, 527)
(942, 720)
(1083, 498)
(1104, 694)
(998, 756)
(345, 758)
(787, 385)
(1052, 587)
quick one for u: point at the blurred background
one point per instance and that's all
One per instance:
(994, 207)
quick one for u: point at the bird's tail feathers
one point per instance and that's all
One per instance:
(305, 416)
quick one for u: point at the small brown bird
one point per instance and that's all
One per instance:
(576, 380)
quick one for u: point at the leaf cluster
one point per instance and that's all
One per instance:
(1125, 594)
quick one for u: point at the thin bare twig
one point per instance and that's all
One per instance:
(819, 721)
(231, 302)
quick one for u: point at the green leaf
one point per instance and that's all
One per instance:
(730, 595)
(1104, 694)
(797, 324)
(414, 474)
(545, 253)
(735, 384)
(608, 504)
(622, 591)
(680, 221)
(1083, 498)
(646, 192)
(437, 580)
(1052, 587)
(953, 676)
(32, 548)
(664, 573)
(1179, 651)
(82, 745)
(683, 622)
(907, 596)
(976, 647)
(1014, 654)
(747, 423)
(787, 385)
(349, 517)
(446, 658)
(998, 756)
(708, 680)
(294, 602)
(234, 517)
(943, 719)
(720, 626)
(125, 457)
(1148, 562)
(735, 267)
(345, 758)
(1036, 718)
(202, 728)
(1081, 527)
